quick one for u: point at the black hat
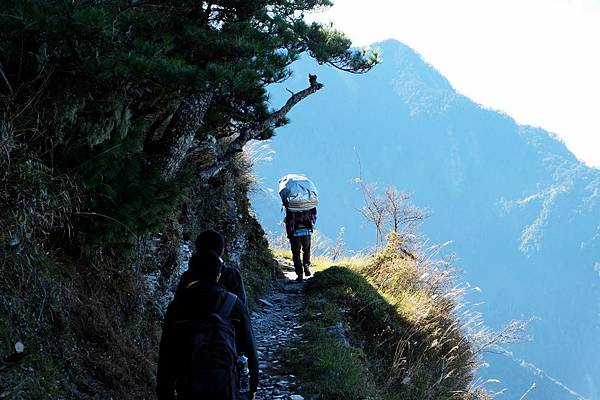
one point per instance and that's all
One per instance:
(206, 264)
(210, 240)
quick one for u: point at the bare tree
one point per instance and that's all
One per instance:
(338, 249)
(394, 203)
(374, 211)
(404, 218)
(390, 212)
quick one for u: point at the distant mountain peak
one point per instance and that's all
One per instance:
(422, 87)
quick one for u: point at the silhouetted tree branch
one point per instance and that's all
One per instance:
(254, 131)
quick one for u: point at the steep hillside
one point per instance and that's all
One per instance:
(386, 327)
(522, 211)
(90, 326)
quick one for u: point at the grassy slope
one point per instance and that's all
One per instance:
(404, 342)
(85, 326)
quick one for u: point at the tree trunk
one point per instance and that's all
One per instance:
(179, 135)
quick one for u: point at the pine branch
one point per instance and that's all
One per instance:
(150, 142)
(275, 120)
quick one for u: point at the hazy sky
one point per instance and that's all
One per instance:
(537, 60)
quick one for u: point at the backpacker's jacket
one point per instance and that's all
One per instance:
(196, 357)
(296, 220)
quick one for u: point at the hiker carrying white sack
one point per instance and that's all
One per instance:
(300, 198)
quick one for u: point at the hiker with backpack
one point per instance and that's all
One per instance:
(299, 228)
(300, 198)
(231, 278)
(206, 328)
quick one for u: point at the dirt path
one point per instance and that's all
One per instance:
(276, 323)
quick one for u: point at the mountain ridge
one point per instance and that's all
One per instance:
(521, 209)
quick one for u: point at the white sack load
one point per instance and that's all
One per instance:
(298, 193)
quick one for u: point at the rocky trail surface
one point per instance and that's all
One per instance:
(277, 329)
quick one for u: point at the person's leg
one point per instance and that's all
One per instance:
(306, 254)
(296, 247)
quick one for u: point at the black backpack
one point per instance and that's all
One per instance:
(211, 370)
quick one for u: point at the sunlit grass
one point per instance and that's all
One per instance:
(318, 263)
(402, 321)
(282, 253)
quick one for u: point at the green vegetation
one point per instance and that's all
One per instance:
(404, 338)
(325, 363)
(117, 95)
(257, 263)
(122, 126)
(83, 328)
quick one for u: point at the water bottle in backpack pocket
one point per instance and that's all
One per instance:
(243, 377)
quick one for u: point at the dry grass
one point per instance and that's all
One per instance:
(88, 328)
(318, 263)
(406, 315)
(35, 202)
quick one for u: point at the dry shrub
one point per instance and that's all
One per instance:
(35, 202)
(86, 322)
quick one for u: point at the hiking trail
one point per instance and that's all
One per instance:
(277, 327)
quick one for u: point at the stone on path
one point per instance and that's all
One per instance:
(266, 303)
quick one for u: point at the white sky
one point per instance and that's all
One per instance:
(536, 60)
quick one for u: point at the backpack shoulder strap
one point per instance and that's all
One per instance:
(191, 284)
(227, 305)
